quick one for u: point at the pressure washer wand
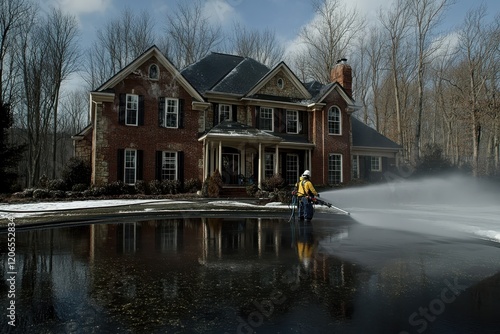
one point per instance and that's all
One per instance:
(330, 205)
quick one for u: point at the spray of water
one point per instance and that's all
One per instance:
(449, 206)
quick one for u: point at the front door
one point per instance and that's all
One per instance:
(230, 168)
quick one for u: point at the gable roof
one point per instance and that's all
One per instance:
(242, 77)
(367, 137)
(151, 52)
(290, 75)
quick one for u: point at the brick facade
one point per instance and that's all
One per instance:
(110, 136)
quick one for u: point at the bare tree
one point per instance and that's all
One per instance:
(74, 113)
(395, 22)
(190, 35)
(329, 37)
(478, 44)
(259, 45)
(61, 36)
(426, 14)
(118, 43)
(14, 15)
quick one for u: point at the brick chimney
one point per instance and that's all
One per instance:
(342, 73)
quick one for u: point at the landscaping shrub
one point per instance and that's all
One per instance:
(142, 187)
(56, 184)
(76, 171)
(192, 185)
(170, 187)
(214, 184)
(41, 193)
(273, 183)
(79, 187)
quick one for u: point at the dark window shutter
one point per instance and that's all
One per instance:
(120, 163)
(141, 110)
(276, 120)
(180, 166)
(121, 108)
(257, 117)
(159, 155)
(235, 113)
(216, 113)
(181, 114)
(283, 120)
(140, 163)
(161, 111)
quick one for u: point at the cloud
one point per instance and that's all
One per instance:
(77, 7)
(222, 12)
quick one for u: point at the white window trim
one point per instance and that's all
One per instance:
(297, 121)
(230, 113)
(125, 168)
(379, 169)
(355, 166)
(340, 121)
(157, 72)
(296, 167)
(136, 110)
(341, 166)
(272, 118)
(176, 163)
(176, 113)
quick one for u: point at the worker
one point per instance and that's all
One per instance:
(305, 194)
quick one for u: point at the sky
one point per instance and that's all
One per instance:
(285, 17)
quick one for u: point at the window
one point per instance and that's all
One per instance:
(268, 165)
(375, 164)
(154, 72)
(131, 109)
(266, 119)
(280, 83)
(355, 166)
(292, 168)
(171, 113)
(130, 166)
(224, 113)
(335, 168)
(334, 121)
(292, 121)
(169, 166)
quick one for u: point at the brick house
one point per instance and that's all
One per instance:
(224, 112)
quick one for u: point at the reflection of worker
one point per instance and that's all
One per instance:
(305, 194)
(305, 244)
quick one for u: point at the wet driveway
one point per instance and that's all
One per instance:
(242, 274)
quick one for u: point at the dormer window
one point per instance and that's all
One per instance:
(154, 72)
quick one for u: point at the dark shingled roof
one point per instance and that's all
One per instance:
(365, 136)
(224, 73)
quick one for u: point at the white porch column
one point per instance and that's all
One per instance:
(206, 160)
(276, 160)
(243, 161)
(219, 161)
(259, 167)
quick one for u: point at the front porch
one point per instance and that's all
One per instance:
(245, 155)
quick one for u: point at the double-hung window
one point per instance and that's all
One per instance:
(266, 119)
(225, 113)
(268, 165)
(132, 109)
(292, 121)
(334, 121)
(292, 168)
(335, 168)
(375, 164)
(171, 113)
(169, 166)
(130, 172)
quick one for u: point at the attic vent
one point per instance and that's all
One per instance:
(280, 83)
(154, 72)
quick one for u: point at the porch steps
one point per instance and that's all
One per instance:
(233, 192)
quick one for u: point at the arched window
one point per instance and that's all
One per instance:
(154, 72)
(334, 121)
